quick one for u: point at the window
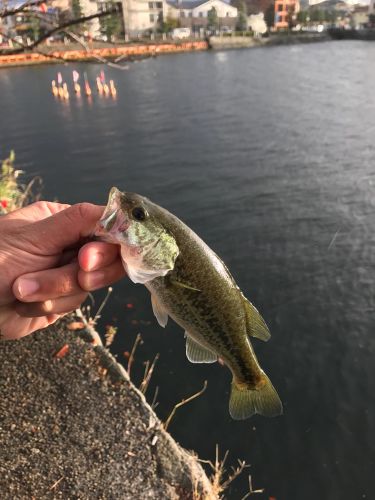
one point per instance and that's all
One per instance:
(150, 5)
(159, 5)
(227, 14)
(200, 14)
(190, 14)
(152, 18)
(182, 13)
(280, 7)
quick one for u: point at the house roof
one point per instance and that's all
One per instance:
(189, 4)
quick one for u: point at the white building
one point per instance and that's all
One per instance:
(88, 8)
(199, 9)
(142, 15)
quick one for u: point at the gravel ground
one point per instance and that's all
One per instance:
(75, 427)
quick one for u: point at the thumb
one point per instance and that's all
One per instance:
(63, 229)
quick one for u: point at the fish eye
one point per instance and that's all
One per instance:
(138, 213)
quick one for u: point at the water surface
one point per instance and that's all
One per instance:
(268, 154)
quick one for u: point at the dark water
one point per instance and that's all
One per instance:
(269, 155)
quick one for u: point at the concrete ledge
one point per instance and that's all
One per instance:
(72, 425)
(142, 50)
(238, 42)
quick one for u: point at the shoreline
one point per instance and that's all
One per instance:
(239, 42)
(111, 53)
(129, 51)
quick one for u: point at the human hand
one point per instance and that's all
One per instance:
(46, 268)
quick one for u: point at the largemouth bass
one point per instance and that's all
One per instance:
(191, 284)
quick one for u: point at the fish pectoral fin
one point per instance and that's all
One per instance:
(196, 353)
(159, 311)
(183, 285)
(256, 326)
(263, 400)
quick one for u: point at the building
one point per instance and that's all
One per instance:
(142, 15)
(194, 14)
(360, 16)
(62, 5)
(88, 8)
(285, 13)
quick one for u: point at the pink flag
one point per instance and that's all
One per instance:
(75, 76)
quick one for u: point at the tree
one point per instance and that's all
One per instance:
(51, 26)
(317, 15)
(169, 24)
(111, 25)
(35, 28)
(76, 9)
(291, 16)
(269, 15)
(302, 16)
(242, 18)
(212, 19)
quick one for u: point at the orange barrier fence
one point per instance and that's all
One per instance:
(108, 53)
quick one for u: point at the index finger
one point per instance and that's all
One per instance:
(37, 211)
(63, 229)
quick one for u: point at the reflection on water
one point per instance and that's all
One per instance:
(269, 155)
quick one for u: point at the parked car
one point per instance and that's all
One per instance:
(180, 33)
(226, 29)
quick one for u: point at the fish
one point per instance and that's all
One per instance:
(189, 283)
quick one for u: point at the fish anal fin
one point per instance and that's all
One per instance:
(196, 353)
(256, 326)
(159, 311)
(245, 402)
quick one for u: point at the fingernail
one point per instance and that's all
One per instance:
(27, 287)
(95, 261)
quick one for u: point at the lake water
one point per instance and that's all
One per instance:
(268, 154)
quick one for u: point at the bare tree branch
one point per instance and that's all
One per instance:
(61, 27)
(103, 60)
(22, 8)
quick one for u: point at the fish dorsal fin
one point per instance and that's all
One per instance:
(196, 353)
(159, 311)
(256, 326)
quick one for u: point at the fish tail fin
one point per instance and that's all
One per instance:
(245, 402)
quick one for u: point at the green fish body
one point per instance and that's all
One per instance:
(191, 284)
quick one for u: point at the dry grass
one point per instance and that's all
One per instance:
(13, 194)
(182, 403)
(221, 478)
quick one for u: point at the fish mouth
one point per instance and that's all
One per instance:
(112, 227)
(106, 222)
(113, 224)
